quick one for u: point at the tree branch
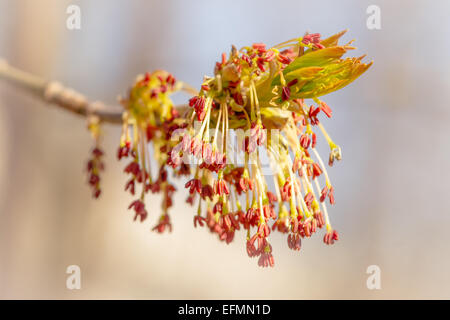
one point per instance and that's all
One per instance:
(66, 98)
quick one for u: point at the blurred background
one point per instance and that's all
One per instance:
(392, 187)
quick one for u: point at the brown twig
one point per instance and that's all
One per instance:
(55, 93)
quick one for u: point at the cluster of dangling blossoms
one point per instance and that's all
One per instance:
(95, 163)
(150, 118)
(256, 106)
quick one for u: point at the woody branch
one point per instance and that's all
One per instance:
(66, 98)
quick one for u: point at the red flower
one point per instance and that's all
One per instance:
(164, 223)
(309, 198)
(266, 258)
(330, 237)
(317, 171)
(331, 195)
(133, 168)
(198, 103)
(94, 167)
(305, 141)
(194, 185)
(221, 187)
(323, 194)
(123, 151)
(326, 109)
(294, 242)
(285, 93)
(130, 185)
(151, 130)
(200, 220)
(139, 209)
(251, 249)
(313, 38)
(320, 219)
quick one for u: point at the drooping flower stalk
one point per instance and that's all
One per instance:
(150, 117)
(95, 164)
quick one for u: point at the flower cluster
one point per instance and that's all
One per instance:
(94, 167)
(258, 96)
(150, 117)
(262, 91)
(95, 164)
